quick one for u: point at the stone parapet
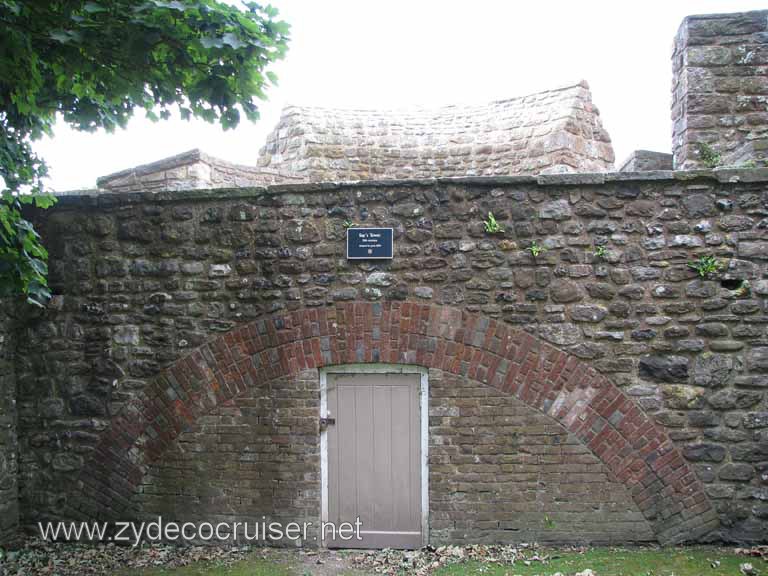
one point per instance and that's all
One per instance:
(720, 90)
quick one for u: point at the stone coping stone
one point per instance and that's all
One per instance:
(95, 197)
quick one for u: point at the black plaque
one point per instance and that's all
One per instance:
(369, 243)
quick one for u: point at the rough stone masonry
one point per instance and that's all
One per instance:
(110, 424)
(9, 513)
(607, 389)
(720, 90)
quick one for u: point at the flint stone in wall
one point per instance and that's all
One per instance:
(301, 232)
(757, 359)
(557, 210)
(380, 279)
(664, 368)
(448, 231)
(704, 453)
(686, 240)
(671, 419)
(588, 313)
(51, 408)
(343, 294)
(408, 210)
(666, 291)
(563, 291)
(645, 334)
(424, 292)
(741, 269)
(654, 243)
(736, 472)
(756, 420)
(754, 452)
(601, 290)
(760, 287)
(67, 462)
(730, 399)
(701, 289)
(644, 273)
(734, 222)
(699, 205)
(682, 397)
(703, 419)
(712, 370)
(218, 270)
(725, 345)
(757, 250)
(712, 329)
(451, 295)
(87, 405)
(587, 350)
(126, 335)
(560, 334)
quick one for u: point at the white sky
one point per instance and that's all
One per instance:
(394, 53)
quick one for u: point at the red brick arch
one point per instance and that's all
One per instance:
(633, 448)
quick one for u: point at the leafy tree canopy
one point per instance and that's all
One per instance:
(93, 63)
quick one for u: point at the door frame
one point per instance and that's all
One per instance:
(379, 368)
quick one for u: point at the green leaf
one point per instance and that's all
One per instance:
(232, 40)
(65, 36)
(209, 42)
(45, 200)
(93, 8)
(173, 5)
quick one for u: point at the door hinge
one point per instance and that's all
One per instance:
(325, 422)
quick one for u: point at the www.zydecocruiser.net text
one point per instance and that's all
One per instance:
(134, 533)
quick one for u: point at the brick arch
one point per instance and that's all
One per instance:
(634, 449)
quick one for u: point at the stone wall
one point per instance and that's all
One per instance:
(9, 512)
(188, 171)
(720, 90)
(548, 132)
(144, 279)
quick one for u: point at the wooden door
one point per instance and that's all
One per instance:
(374, 458)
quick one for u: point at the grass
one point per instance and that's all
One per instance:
(621, 562)
(693, 561)
(256, 567)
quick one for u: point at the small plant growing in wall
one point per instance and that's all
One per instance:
(706, 266)
(536, 249)
(492, 226)
(709, 157)
(348, 224)
(600, 252)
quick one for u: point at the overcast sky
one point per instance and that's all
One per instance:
(392, 54)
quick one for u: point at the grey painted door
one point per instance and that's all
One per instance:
(374, 458)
